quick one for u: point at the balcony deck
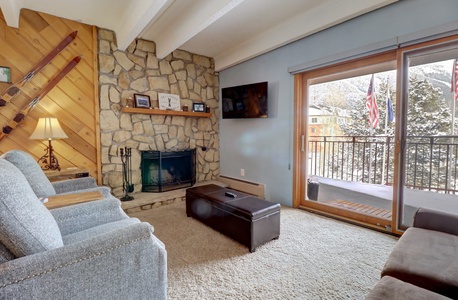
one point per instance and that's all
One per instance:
(366, 198)
(362, 208)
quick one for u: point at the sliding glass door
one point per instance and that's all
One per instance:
(376, 138)
(429, 167)
(348, 140)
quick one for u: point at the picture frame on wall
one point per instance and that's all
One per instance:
(5, 74)
(142, 101)
(198, 107)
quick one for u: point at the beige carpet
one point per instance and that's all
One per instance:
(315, 258)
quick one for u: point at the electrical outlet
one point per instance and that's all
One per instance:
(242, 172)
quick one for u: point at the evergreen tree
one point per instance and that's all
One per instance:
(428, 115)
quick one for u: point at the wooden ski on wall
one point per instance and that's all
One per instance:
(13, 123)
(14, 89)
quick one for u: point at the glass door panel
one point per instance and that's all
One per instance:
(429, 170)
(350, 152)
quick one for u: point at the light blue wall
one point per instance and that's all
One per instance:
(263, 147)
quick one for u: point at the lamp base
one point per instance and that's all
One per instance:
(49, 159)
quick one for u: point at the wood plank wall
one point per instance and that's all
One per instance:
(74, 101)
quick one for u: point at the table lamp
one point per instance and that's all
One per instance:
(48, 129)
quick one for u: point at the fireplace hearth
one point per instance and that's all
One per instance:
(164, 171)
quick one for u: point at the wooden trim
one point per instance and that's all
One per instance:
(298, 170)
(146, 111)
(349, 214)
(352, 64)
(97, 105)
(320, 211)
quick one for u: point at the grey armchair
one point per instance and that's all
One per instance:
(86, 251)
(41, 184)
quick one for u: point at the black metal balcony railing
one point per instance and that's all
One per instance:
(431, 161)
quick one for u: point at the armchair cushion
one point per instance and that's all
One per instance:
(31, 169)
(26, 226)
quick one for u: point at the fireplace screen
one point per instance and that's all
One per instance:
(164, 171)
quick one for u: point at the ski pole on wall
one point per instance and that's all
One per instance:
(13, 90)
(127, 186)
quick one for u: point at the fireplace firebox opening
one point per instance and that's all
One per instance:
(164, 171)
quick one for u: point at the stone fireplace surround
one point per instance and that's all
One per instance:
(138, 70)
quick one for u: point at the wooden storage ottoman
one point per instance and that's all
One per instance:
(242, 217)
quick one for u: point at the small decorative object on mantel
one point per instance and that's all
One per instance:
(169, 101)
(142, 101)
(130, 102)
(198, 107)
(185, 108)
(5, 74)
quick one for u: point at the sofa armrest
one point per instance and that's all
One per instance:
(82, 216)
(436, 220)
(129, 263)
(70, 185)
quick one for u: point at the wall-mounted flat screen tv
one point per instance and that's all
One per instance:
(245, 101)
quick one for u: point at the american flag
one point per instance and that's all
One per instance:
(454, 85)
(371, 104)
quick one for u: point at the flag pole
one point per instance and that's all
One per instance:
(370, 155)
(371, 121)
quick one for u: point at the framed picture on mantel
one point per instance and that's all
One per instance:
(169, 102)
(198, 107)
(142, 101)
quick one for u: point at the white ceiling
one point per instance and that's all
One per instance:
(230, 31)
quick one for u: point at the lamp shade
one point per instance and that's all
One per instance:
(48, 128)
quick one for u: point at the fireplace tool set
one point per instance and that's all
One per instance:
(127, 186)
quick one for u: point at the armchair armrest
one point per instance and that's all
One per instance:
(82, 216)
(105, 191)
(436, 220)
(84, 184)
(130, 263)
(70, 185)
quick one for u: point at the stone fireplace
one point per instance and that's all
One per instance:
(137, 70)
(164, 171)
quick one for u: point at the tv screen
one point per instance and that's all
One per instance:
(245, 101)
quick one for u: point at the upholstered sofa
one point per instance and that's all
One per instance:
(86, 251)
(40, 183)
(424, 262)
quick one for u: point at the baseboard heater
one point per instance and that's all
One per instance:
(252, 188)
